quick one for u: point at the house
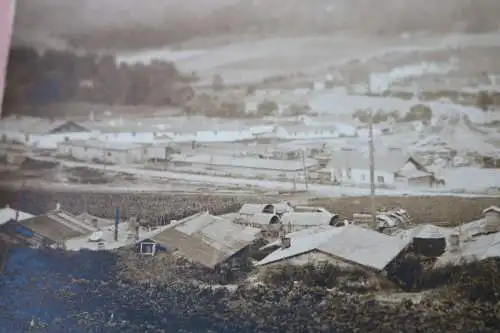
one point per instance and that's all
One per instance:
(208, 240)
(244, 165)
(353, 168)
(52, 229)
(347, 246)
(103, 152)
(415, 174)
(42, 133)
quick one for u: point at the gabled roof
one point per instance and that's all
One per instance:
(206, 239)
(492, 209)
(350, 243)
(57, 226)
(308, 218)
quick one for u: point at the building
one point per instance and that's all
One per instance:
(492, 219)
(244, 166)
(51, 229)
(347, 246)
(42, 133)
(208, 240)
(428, 240)
(353, 168)
(415, 174)
(103, 152)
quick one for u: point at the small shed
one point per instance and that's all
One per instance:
(492, 219)
(429, 241)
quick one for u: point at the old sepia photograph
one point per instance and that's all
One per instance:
(257, 166)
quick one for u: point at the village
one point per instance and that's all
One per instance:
(264, 235)
(295, 150)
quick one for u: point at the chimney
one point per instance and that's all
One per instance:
(285, 243)
(58, 206)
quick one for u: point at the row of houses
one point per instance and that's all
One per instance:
(46, 134)
(221, 241)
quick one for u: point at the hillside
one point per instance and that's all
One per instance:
(124, 25)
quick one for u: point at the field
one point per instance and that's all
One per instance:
(443, 210)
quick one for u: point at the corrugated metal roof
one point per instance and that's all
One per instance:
(475, 249)
(307, 218)
(299, 234)
(260, 219)
(206, 239)
(351, 243)
(251, 209)
(57, 226)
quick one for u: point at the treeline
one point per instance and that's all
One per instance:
(35, 78)
(267, 18)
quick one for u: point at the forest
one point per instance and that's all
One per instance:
(37, 79)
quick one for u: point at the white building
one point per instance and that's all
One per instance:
(243, 166)
(42, 133)
(103, 152)
(348, 246)
(353, 167)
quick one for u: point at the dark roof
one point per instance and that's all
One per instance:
(57, 226)
(418, 165)
(68, 127)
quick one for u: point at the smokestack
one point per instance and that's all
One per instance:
(117, 221)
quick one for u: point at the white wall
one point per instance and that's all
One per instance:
(47, 141)
(362, 176)
(105, 155)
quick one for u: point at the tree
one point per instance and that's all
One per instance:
(419, 112)
(267, 108)
(484, 100)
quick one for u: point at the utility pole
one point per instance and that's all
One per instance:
(305, 169)
(372, 169)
